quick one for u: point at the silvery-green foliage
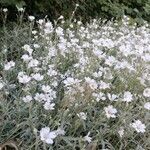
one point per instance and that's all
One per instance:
(64, 87)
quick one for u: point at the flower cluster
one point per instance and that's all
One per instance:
(92, 77)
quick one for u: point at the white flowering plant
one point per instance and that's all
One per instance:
(67, 86)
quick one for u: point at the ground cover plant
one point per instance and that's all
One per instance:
(70, 86)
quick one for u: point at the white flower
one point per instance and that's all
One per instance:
(82, 115)
(49, 94)
(147, 105)
(99, 96)
(46, 88)
(98, 53)
(34, 32)
(108, 74)
(146, 92)
(79, 23)
(110, 111)
(48, 27)
(31, 18)
(127, 97)
(52, 52)
(9, 65)
(103, 85)
(92, 83)
(70, 81)
(121, 132)
(88, 138)
(49, 106)
(39, 97)
(5, 10)
(40, 21)
(20, 9)
(146, 57)
(54, 83)
(27, 48)
(61, 17)
(47, 136)
(110, 61)
(60, 131)
(97, 74)
(77, 5)
(23, 78)
(1, 85)
(112, 97)
(26, 57)
(71, 25)
(59, 31)
(138, 126)
(27, 98)
(33, 63)
(37, 77)
(51, 72)
(36, 46)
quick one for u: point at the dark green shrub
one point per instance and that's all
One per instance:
(138, 9)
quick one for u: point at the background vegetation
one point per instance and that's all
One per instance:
(138, 9)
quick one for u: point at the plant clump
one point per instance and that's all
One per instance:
(65, 86)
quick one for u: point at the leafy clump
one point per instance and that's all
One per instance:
(75, 86)
(106, 9)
